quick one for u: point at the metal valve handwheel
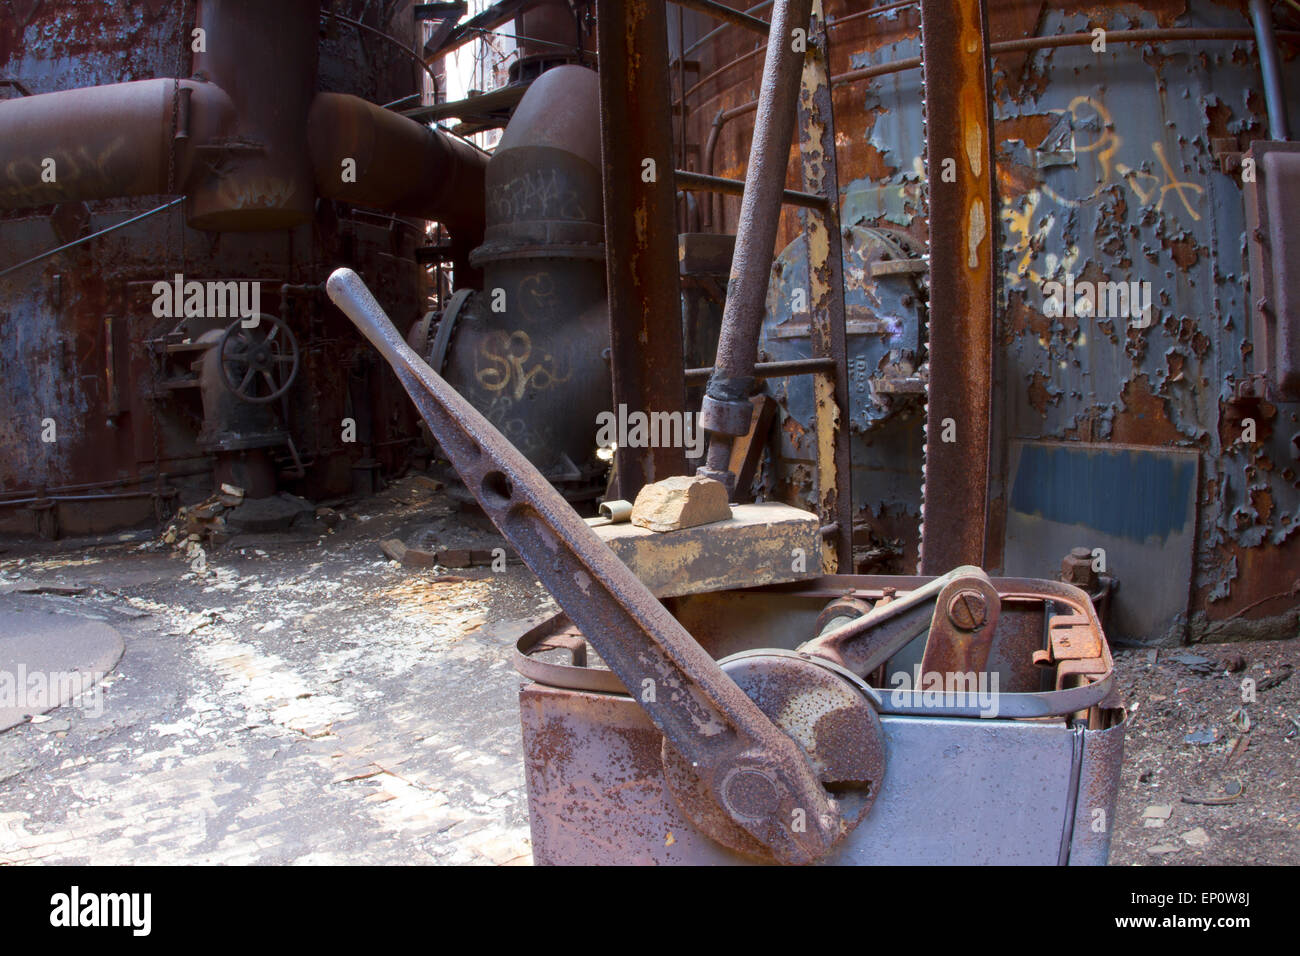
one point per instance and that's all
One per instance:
(260, 362)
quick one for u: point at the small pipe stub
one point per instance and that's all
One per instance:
(617, 511)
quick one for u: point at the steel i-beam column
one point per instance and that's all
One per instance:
(640, 228)
(963, 227)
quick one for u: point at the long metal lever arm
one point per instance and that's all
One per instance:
(699, 709)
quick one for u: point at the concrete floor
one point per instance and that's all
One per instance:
(304, 700)
(301, 701)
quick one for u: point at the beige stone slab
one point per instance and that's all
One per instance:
(764, 543)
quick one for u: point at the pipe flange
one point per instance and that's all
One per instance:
(509, 250)
(437, 357)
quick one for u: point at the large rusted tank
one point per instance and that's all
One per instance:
(112, 413)
(1114, 165)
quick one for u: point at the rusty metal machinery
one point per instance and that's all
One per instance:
(718, 731)
(1022, 779)
(771, 740)
(530, 348)
(1155, 158)
(777, 752)
(269, 132)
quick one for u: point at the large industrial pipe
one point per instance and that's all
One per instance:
(95, 143)
(247, 141)
(369, 156)
(1261, 14)
(528, 350)
(258, 175)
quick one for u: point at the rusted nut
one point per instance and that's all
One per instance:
(1076, 569)
(968, 610)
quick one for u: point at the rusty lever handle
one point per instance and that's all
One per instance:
(699, 709)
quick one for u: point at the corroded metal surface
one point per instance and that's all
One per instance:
(400, 165)
(1125, 164)
(883, 336)
(104, 142)
(641, 226)
(1274, 241)
(1018, 782)
(834, 724)
(725, 412)
(962, 242)
(257, 171)
(826, 314)
(597, 793)
(528, 350)
(1103, 749)
(79, 341)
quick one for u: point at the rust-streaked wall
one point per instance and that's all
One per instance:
(74, 328)
(1110, 166)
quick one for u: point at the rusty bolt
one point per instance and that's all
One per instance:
(1076, 568)
(967, 610)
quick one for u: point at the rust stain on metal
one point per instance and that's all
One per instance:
(640, 229)
(1144, 418)
(962, 282)
(817, 145)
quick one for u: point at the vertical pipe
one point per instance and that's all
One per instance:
(1271, 68)
(645, 311)
(726, 411)
(267, 180)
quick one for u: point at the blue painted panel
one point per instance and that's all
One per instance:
(1123, 492)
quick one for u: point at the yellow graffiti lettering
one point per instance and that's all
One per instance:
(1174, 183)
(507, 369)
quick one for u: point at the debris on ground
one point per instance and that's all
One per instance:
(395, 550)
(1219, 745)
(1274, 678)
(1232, 791)
(204, 521)
(368, 712)
(1156, 816)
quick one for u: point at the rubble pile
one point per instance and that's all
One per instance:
(205, 522)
